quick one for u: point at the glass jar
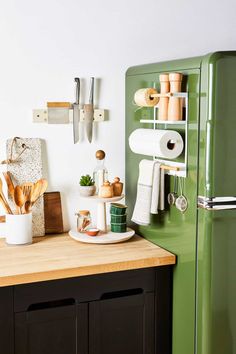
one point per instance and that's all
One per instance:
(100, 173)
(83, 220)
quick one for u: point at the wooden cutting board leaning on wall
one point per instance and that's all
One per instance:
(53, 213)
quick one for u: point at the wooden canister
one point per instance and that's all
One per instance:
(117, 187)
(106, 190)
(164, 101)
(175, 109)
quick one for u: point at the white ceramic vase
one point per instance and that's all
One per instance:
(87, 191)
(19, 229)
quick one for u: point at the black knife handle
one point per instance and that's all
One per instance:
(77, 90)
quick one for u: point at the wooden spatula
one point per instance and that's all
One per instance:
(10, 184)
(38, 190)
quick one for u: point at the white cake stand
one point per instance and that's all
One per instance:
(101, 209)
(102, 238)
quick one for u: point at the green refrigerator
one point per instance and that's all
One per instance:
(204, 236)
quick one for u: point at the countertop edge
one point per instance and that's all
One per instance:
(86, 270)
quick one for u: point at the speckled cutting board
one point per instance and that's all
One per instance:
(29, 168)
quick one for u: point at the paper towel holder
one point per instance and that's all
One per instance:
(171, 167)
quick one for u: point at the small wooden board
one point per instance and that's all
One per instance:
(53, 213)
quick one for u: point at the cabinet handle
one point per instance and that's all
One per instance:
(50, 304)
(121, 293)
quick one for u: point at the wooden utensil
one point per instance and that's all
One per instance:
(53, 213)
(27, 190)
(9, 183)
(3, 200)
(38, 190)
(19, 198)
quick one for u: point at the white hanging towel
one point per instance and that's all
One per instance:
(150, 192)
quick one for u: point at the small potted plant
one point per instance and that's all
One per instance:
(87, 187)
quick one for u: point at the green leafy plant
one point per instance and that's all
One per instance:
(86, 181)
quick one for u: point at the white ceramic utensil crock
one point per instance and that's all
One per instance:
(19, 229)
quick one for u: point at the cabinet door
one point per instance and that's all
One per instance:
(6, 321)
(122, 325)
(52, 330)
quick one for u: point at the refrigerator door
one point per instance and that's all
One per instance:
(216, 289)
(216, 236)
(171, 229)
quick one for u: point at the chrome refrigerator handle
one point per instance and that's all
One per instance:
(217, 203)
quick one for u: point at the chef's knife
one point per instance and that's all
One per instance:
(89, 113)
(76, 111)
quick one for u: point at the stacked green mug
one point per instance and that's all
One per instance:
(118, 217)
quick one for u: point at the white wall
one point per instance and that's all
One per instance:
(45, 44)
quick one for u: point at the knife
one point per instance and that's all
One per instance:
(76, 112)
(89, 112)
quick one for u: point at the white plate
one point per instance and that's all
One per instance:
(109, 237)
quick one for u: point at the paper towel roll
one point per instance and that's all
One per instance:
(160, 143)
(143, 97)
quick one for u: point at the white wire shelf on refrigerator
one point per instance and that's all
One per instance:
(172, 167)
(168, 122)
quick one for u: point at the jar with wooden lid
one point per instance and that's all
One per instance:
(83, 220)
(100, 174)
(106, 190)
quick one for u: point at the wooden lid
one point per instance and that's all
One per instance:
(175, 76)
(106, 183)
(116, 180)
(164, 77)
(100, 155)
(84, 212)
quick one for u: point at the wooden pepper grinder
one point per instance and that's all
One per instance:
(175, 108)
(117, 187)
(164, 101)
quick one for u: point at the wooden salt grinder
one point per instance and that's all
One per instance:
(175, 109)
(164, 101)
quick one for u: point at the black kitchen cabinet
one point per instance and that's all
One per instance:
(123, 324)
(51, 328)
(6, 321)
(125, 312)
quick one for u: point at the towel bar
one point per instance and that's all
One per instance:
(170, 168)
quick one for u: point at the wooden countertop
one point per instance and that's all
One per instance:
(59, 256)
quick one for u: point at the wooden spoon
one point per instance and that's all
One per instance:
(19, 198)
(4, 201)
(38, 190)
(9, 182)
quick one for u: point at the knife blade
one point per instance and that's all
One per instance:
(76, 112)
(89, 112)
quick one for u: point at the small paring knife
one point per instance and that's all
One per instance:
(89, 112)
(76, 112)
